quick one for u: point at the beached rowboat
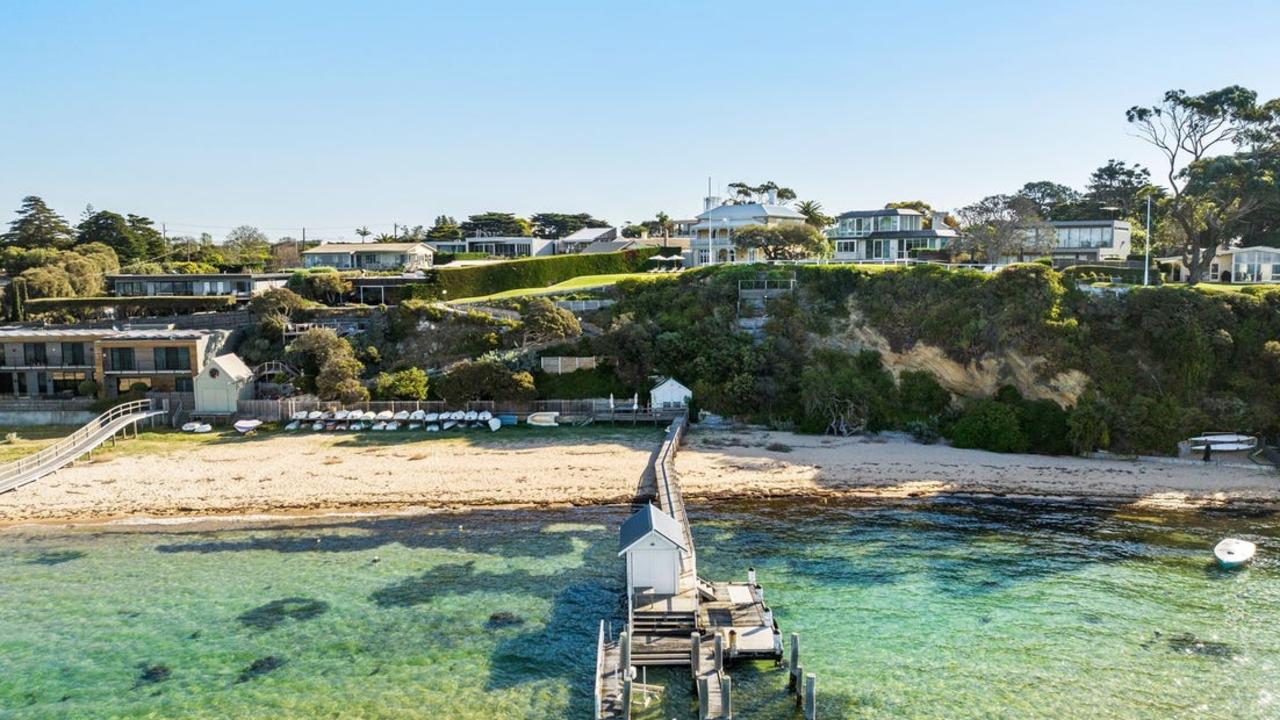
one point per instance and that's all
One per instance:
(293, 425)
(1234, 552)
(190, 427)
(494, 424)
(543, 419)
(246, 426)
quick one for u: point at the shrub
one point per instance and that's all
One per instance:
(87, 388)
(476, 280)
(920, 397)
(543, 321)
(924, 431)
(988, 425)
(600, 381)
(408, 384)
(276, 301)
(485, 380)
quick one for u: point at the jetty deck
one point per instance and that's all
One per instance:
(703, 625)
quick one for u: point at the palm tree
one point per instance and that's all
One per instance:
(813, 215)
(364, 232)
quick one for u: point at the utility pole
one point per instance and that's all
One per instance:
(1146, 261)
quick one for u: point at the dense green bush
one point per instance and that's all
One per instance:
(133, 306)
(407, 384)
(600, 381)
(921, 397)
(988, 425)
(1087, 273)
(476, 280)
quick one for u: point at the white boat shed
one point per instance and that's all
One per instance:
(224, 381)
(670, 394)
(653, 542)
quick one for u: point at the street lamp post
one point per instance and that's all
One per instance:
(1146, 260)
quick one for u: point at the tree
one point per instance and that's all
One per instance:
(112, 230)
(49, 281)
(313, 348)
(408, 384)
(1000, 226)
(339, 379)
(744, 193)
(551, 226)
(496, 224)
(150, 243)
(634, 231)
(1046, 196)
(276, 301)
(485, 380)
(783, 242)
(37, 226)
(247, 247)
(812, 212)
(445, 229)
(1119, 185)
(285, 254)
(1186, 129)
(328, 287)
(543, 321)
(364, 232)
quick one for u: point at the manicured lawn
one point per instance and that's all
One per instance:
(579, 283)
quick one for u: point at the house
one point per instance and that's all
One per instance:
(224, 381)
(711, 236)
(405, 257)
(1089, 241)
(52, 363)
(576, 241)
(887, 234)
(670, 394)
(653, 543)
(1257, 264)
(242, 285)
(608, 246)
(511, 246)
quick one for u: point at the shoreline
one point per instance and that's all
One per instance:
(543, 472)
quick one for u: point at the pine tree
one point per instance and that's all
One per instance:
(38, 226)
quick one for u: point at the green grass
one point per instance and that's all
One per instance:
(579, 283)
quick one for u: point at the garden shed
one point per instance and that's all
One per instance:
(224, 381)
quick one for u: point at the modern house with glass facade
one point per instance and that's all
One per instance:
(52, 363)
(406, 257)
(711, 235)
(887, 234)
(1259, 264)
(1085, 241)
(242, 285)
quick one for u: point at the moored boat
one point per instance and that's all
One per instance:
(1233, 553)
(190, 427)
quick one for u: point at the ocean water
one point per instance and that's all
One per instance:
(947, 608)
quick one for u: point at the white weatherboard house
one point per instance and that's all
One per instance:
(653, 542)
(224, 381)
(670, 394)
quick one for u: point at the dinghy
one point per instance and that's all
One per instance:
(293, 425)
(385, 415)
(471, 416)
(448, 424)
(401, 416)
(379, 426)
(484, 416)
(300, 415)
(357, 426)
(431, 417)
(393, 425)
(494, 424)
(418, 415)
(433, 428)
(328, 415)
(341, 426)
(246, 426)
(457, 416)
(317, 425)
(415, 425)
(314, 415)
(190, 427)
(203, 428)
(342, 415)
(543, 419)
(1234, 552)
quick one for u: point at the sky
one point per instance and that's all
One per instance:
(335, 115)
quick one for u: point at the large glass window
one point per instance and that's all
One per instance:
(886, 223)
(73, 354)
(120, 358)
(34, 354)
(173, 358)
(67, 382)
(847, 246)
(183, 384)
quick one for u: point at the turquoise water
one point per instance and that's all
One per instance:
(938, 609)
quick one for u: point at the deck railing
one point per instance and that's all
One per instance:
(599, 693)
(17, 469)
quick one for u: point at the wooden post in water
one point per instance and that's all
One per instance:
(719, 652)
(703, 706)
(810, 697)
(726, 690)
(695, 641)
(793, 682)
(799, 687)
(626, 697)
(624, 641)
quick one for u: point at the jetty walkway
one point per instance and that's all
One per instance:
(699, 624)
(83, 441)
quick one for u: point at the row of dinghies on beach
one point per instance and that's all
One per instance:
(387, 420)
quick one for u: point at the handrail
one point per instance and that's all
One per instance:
(599, 672)
(17, 468)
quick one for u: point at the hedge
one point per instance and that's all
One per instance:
(1129, 275)
(166, 305)
(476, 280)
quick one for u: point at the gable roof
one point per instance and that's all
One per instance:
(366, 247)
(607, 246)
(589, 234)
(749, 210)
(883, 212)
(665, 381)
(646, 520)
(233, 366)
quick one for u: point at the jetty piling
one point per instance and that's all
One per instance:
(810, 697)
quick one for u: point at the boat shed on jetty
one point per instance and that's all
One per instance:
(653, 543)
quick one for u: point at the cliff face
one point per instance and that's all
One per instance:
(979, 378)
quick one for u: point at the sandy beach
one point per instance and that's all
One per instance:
(312, 474)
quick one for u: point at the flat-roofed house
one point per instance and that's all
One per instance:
(38, 362)
(405, 257)
(242, 285)
(1242, 265)
(887, 234)
(576, 241)
(162, 360)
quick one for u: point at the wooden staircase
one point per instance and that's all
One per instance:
(661, 638)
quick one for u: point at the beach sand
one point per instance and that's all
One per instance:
(314, 474)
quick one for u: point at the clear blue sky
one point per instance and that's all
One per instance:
(334, 115)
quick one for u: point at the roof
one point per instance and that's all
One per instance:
(646, 520)
(104, 333)
(607, 246)
(588, 234)
(882, 212)
(157, 334)
(1262, 248)
(889, 234)
(670, 380)
(749, 210)
(365, 247)
(198, 276)
(233, 366)
(1089, 223)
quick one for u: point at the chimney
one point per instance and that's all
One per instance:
(940, 220)
(772, 197)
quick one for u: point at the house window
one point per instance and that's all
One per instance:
(849, 247)
(67, 382)
(173, 358)
(1275, 271)
(73, 354)
(34, 354)
(120, 359)
(183, 384)
(704, 257)
(1213, 271)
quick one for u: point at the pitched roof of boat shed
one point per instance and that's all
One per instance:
(650, 519)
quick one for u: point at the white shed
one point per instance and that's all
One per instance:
(670, 394)
(224, 381)
(653, 542)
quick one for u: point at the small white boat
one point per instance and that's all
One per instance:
(494, 424)
(418, 415)
(190, 427)
(300, 415)
(246, 426)
(379, 426)
(431, 417)
(203, 428)
(484, 416)
(357, 426)
(543, 419)
(457, 416)
(1234, 552)
(433, 428)
(342, 415)
(293, 425)
(415, 425)
(471, 416)
(448, 424)
(385, 415)
(393, 425)
(317, 425)
(402, 415)
(328, 415)
(315, 415)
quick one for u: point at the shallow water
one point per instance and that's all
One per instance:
(938, 609)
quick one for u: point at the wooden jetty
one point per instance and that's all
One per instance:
(674, 616)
